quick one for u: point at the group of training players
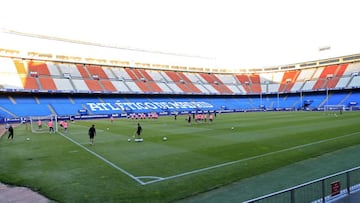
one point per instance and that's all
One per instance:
(196, 117)
(92, 130)
(50, 124)
(200, 117)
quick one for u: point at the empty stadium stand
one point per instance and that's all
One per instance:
(65, 105)
(26, 84)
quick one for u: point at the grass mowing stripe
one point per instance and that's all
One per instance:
(103, 159)
(250, 158)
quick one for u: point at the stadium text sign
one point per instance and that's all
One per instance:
(126, 106)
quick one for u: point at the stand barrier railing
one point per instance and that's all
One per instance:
(327, 189)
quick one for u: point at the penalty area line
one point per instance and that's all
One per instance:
(103, 159)
(247, 159)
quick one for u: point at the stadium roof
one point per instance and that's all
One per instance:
(230, 33)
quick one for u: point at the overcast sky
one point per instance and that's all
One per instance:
(241, 34)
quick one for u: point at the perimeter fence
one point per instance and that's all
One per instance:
(327, 189)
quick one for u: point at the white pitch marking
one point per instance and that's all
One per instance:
(158, 179)
(247, 159)
(105, 160)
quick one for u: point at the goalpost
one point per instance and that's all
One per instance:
(333, 109)
(39, 124)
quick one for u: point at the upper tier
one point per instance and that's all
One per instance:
(18, 74)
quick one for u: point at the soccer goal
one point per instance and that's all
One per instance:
(334, 109)
(40, 124)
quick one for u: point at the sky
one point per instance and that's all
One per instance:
(233, 33)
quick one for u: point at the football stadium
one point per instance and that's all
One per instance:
(170, 127)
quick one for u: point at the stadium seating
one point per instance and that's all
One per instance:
(245, 82)
(217, 84)
(352, 99)
(337, 99)
(52, 76)
(255, 83)
(354, 82)
(329, 76)
(65, 105)
(47, 83)
(268, 90)
(38, 67)
(25, 110)
(10, 77)
(288, 80)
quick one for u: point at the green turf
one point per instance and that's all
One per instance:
(282, 178)
(193, 160)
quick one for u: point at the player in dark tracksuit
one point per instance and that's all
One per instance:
(92, 133)
(139, 130)
(11, 132)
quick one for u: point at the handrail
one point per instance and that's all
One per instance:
(302, 185)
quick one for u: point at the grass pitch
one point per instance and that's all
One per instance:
(195, 158)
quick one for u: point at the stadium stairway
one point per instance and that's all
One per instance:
(6, 112)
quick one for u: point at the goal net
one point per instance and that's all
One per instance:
(334, 108)
(40, 124)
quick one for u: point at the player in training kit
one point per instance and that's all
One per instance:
(11, 132)
(92, 133)
(65, 126)
(139, 130)
(211, 118)
(39, 124)
(51, 128)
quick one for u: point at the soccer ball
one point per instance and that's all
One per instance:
(129, 140)
(232, 128)
(27, 139)
(107, 128)
(164, 138)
